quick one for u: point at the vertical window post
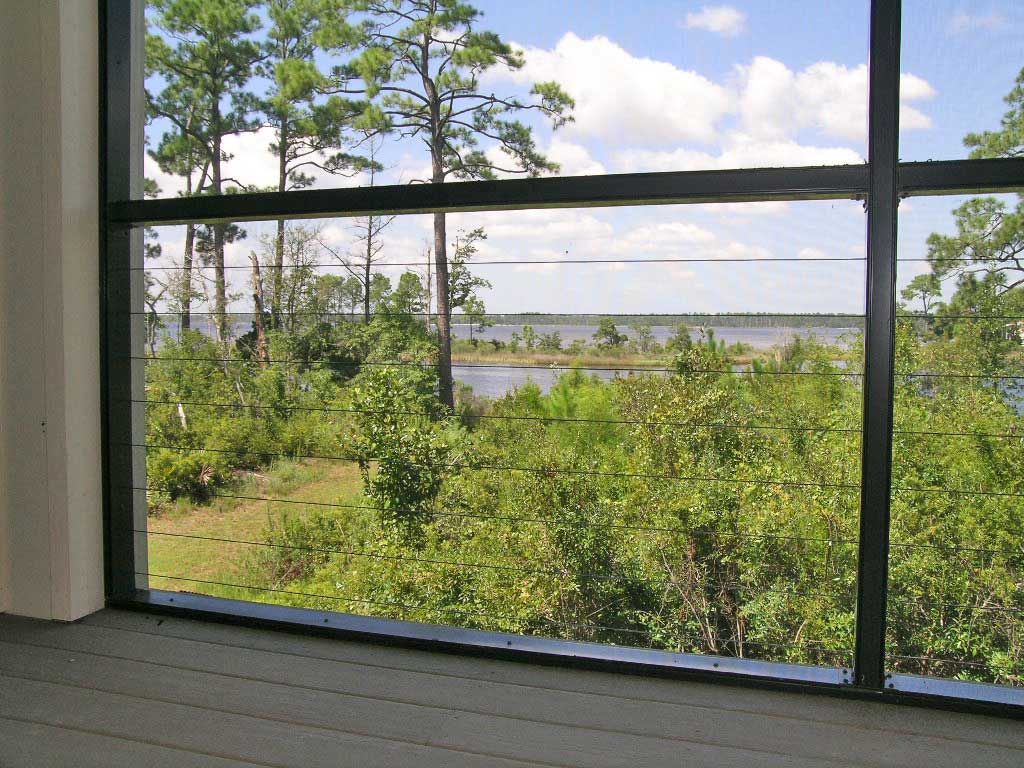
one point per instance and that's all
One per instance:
(122, 281)
(879, 343)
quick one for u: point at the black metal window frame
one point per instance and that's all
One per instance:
(881, 183)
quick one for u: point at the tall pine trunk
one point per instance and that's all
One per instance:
(444, 329)
(282, 186)
(367, 269)
(220, 298)
(277, 289)
(446, 385)
(185, 321)
(186, 294)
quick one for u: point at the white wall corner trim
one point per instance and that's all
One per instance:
(51, 535)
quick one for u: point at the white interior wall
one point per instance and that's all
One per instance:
(51, 548)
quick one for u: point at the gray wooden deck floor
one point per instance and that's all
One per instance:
(127, 689)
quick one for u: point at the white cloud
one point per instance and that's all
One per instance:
(720, 19)
(811, 253)
(408, 169)
(961, 23)
(775, 102)
(624, 99)
(170, 186)
(251, 164)
(740, 151)
(641, 160)
(834, 99)
(402, 245)
(574, 159)
(737, 250)
(568, 228)
(760, 208)
(768, 104)
(914, 88)
(558, 235)
(639, 106)
(680, 240)
(545, 262)
(662, 238)
(744, 152)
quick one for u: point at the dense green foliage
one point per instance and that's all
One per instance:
(615, 511)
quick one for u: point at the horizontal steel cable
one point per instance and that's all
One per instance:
(582, 577)
(516, 262)
(530, 520)
(957, 492)
(942, 546)
(919, 602)
(805, 645)
(501, 468)
(508, 366)
(933, 660)
(593, 472)
(984, 376)
(544, 419)
(564, 420)
(532, 316)
(512, 366)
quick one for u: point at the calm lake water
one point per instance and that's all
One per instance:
(495, 382)
(759, 338)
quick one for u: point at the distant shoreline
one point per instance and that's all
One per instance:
(724, 320)
(693, 320)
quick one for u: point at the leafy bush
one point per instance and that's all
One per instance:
(175, 473)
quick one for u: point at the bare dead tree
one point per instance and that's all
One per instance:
(257, 297)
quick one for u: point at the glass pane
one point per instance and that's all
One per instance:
(966, 56)
(655, 439)
(956, 598)
(599, 87)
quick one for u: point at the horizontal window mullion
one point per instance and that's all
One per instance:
(745, 185)
(765, 184)
(961, 177)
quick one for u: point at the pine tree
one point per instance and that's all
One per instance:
(419, 61)
(206, 55)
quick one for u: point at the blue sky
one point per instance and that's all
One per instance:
(683, 85)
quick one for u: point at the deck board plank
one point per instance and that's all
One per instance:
(611, 714)
(36, 745)
(506, 737)
(270, 698)
(814, 708)
(238, 737)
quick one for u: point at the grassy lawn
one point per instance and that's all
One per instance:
(229, 520)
